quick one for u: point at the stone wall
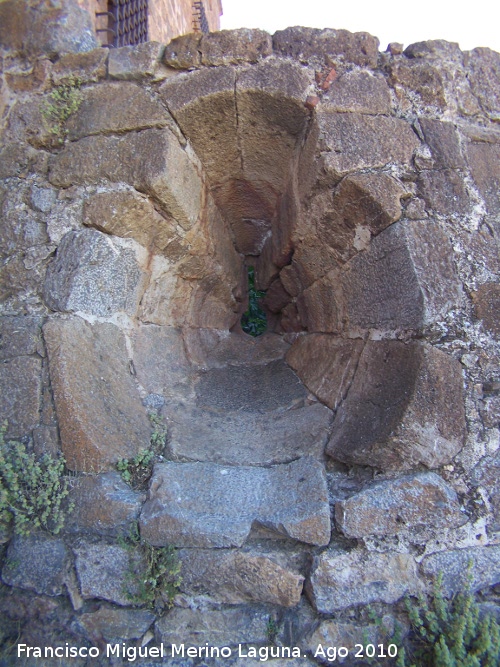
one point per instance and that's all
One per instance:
(342, 459)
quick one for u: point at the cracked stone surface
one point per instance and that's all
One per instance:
(233, 577)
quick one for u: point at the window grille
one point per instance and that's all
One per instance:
(127, 22)
(200, 21)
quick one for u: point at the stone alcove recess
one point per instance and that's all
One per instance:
(354, 182)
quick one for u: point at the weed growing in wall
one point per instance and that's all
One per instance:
(32, 490)
(450, 633)
(63, 101)
(159, 580)
(159, 434)
(138, 470)
(272, 629)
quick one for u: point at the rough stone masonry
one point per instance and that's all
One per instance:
(342, 459)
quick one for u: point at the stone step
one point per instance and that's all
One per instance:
(231, 399)
(250, 388)
(208, 505)
(238, 438)
(213, 348)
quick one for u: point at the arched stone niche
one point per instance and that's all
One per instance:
(308, 197)
(314, 200)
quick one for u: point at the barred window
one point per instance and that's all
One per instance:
(200, 21)
(126, 22)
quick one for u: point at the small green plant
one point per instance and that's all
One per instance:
(254, 321)
(63, 101)
(272, 630)
(163, 576)
(160, 577)
(388, 637)
(137, 471)
(32, 490)
(159, 435)
(451, 633)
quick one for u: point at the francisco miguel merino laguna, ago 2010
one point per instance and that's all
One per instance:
(262, 653)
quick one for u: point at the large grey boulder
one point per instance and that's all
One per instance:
(38, 562)
(481, 564)
(405, 407)
(342, 579)
(235, 577)
(96, 274)
(101, 417)
(37, 27)
(209, 505)
(417, 502)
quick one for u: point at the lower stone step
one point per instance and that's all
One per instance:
(209, 505)
(229, 398)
